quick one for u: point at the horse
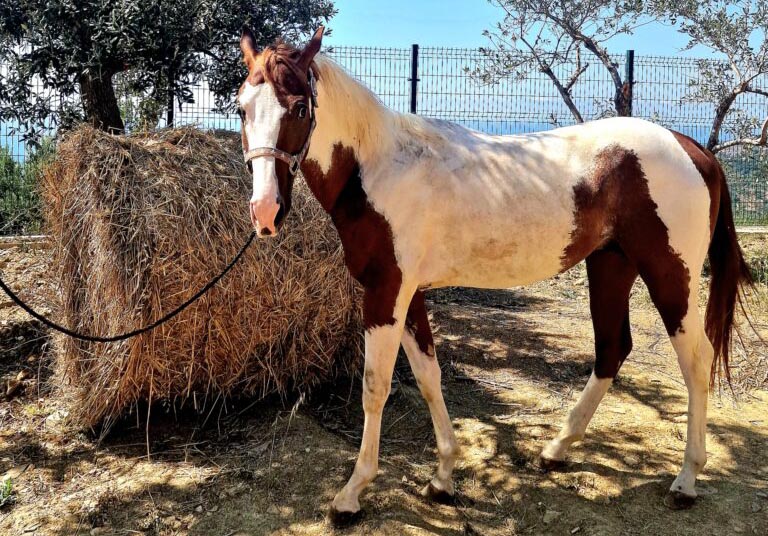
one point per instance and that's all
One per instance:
(421, 203)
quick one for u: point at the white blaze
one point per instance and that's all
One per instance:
(262, 128)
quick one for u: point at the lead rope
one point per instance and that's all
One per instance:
(114, 338)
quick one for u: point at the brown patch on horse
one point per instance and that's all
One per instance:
(614, 204)
(365, 234)
(286, 68)
(280, 65)
(644, 238)
(595, 199)
(707, 165)
(417, 323)
(283, 65)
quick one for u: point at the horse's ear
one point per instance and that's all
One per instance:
(248, 45)
(312, 48)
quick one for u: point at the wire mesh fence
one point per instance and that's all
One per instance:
(447, 87)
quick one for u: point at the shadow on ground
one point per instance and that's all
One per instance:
(509, 379)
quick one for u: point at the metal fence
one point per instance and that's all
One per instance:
(439, 83)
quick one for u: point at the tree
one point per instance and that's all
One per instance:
(735, 30)
(551, 35)
(61, 56)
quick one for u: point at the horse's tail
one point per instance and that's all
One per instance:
(730, 274)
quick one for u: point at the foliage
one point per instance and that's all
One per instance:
(747, 172)
(735, 30)
(6, 492)
(140, 110)
(71, 49)
(19, 199)
(551, 36)
(759, 268)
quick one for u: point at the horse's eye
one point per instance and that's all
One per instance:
(302, 111)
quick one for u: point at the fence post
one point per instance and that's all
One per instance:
(629, 77)
(414, 77)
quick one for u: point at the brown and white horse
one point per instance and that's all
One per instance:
(420, 203)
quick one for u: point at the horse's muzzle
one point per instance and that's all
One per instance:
(266, 216)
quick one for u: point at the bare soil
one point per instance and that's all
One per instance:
(513, 361)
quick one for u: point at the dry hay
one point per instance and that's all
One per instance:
(138, 225)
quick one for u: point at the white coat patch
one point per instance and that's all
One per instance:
(262, 128)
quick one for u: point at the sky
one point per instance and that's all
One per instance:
(460, 23)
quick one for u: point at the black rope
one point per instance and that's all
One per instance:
(90, 338)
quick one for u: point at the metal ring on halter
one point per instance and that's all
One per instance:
(293, 160)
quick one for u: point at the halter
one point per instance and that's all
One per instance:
(293, 160)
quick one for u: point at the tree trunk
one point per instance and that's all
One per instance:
(100, 103)
(170, 115)
(171, 99)
(622, 100)
(717, 124)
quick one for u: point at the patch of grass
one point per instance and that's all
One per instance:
(34, 410)
(6, 492)
(759, 267)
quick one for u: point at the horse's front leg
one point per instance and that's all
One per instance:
(419, 347)
(383, 331)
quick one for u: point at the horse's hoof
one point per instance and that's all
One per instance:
(438, 495)
(341, 519)
(676, 500)
(548, 464)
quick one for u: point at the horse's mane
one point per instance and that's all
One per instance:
(353, 108)
(280, 59)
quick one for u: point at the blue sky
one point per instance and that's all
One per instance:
(460, 23)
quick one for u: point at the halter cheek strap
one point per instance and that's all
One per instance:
(293, 160)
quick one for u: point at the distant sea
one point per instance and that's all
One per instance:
(19, 150)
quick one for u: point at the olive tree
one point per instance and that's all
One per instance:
(551, 35)
(59, 58)
(735, 30)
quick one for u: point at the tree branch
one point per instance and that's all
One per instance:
(620, 102)
(576, 74)
(762, 141)
(210, 54)
(757, 91)
(565, 93)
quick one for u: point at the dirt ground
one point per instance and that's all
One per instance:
(513, 362)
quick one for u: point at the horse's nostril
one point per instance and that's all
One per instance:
(280, 214)
(266, 232)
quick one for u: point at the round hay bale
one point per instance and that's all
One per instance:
(140, 223)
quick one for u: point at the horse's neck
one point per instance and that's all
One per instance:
(333, 171)
(328, 170)
(354, 130)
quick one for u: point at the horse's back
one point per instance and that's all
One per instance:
(498, 211)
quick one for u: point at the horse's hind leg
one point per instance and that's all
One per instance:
(694, 354)
(678, 305)
(611, 276)
(419, 347)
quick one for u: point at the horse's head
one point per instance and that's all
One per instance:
(277, 107)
